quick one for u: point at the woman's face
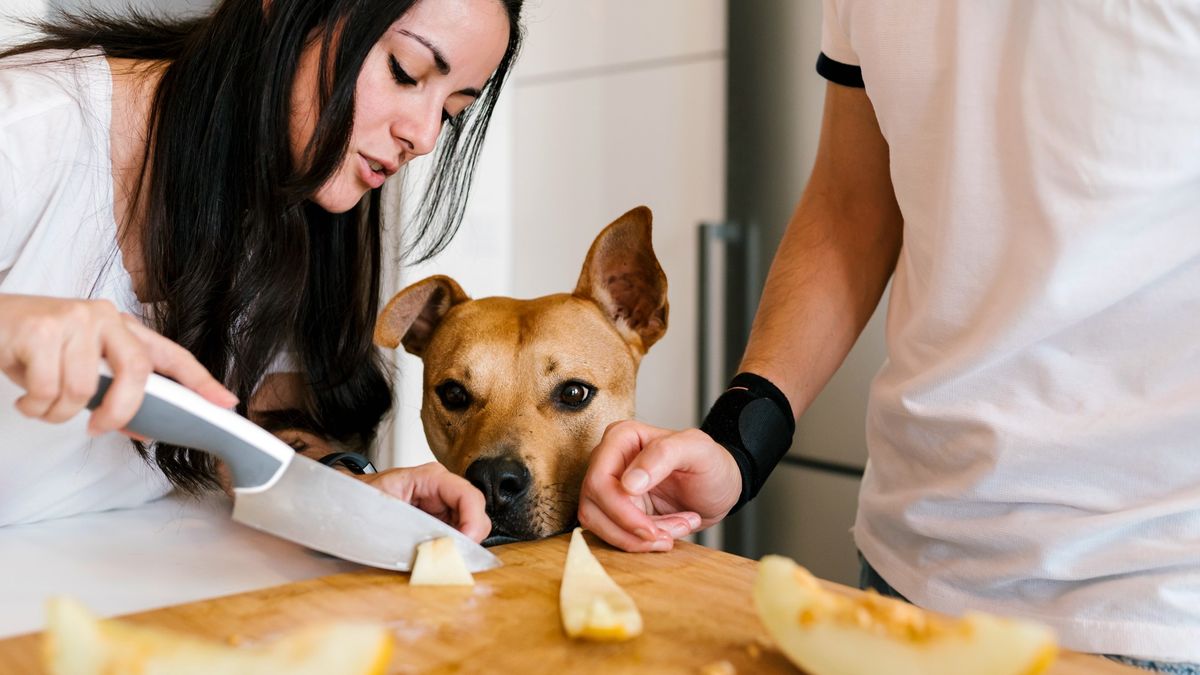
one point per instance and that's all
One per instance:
(428, 66)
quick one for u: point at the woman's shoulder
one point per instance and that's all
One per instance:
(54, 146)
(68, 86)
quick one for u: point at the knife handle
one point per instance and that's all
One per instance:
(175, 414)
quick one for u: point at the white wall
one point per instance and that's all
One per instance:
(479, 258)
(11, 11)
(172, 7)
(614, 103)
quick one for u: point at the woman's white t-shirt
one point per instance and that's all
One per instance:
(58, 238)
(1034, 435)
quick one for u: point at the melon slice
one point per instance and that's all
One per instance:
(828, 634)
(439, 564)
(592, 605)
(77, 643)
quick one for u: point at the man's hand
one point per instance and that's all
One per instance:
(646, 486)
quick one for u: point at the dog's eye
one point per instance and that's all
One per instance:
(575, 394)
(453, 395)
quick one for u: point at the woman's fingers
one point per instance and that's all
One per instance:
(130, 365)
(433, 489)
(133, 351)
(41, 378)
(172, 360)
(80, 362)
(52, 348)
(467, 504)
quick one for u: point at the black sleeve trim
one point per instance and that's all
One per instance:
(839, 73)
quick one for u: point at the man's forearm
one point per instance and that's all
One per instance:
(834, 260)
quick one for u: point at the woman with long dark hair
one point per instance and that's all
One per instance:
(201, 198)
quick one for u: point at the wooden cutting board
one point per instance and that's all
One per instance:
(696, 604)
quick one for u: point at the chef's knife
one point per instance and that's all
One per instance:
(289, 495)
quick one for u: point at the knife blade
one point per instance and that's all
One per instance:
(289, 495)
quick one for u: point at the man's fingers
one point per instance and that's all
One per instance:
(178, 363)
(678, 525)
(621, 444)
(631, 514)
(595, 520)
(659, 458)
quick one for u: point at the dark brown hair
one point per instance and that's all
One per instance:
(245, 265)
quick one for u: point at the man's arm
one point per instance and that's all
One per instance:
(645, 485)
(836, 256)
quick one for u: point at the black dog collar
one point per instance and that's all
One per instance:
(753, 420)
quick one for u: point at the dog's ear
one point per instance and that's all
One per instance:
(622, 275)
(414, 313)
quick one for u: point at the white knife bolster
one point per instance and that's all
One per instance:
(270, 483)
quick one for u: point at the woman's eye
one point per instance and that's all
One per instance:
(453, 395)
(575, 394)
(398, 72)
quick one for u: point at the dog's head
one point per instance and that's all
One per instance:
(518, 392)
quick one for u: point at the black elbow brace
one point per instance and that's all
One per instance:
(753, 420)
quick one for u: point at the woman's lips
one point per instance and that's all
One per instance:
(370, 176)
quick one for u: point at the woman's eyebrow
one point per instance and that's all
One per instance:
(439, 59)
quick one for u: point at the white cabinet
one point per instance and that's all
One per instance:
(589, 149)
(568, 38)
(613, 104)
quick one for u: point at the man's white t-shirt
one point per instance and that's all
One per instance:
(1034, 434)
(58, 238)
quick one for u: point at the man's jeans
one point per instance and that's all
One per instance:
(869, 578)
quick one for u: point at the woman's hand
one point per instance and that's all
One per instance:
(433, 489)
(52, 348)
(646, 487)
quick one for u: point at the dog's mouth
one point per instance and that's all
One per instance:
(500, 536)
(498, 539)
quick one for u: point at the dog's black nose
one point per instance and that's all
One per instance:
(503, 482)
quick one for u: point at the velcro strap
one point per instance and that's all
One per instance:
(753, 420)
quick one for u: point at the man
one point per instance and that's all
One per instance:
(1028, 175)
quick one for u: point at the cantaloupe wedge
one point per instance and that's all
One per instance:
(828, 634)
(592, 605)
(440, 564)
(77, 643)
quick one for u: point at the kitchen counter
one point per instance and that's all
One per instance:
(174, 550)
(696, 604)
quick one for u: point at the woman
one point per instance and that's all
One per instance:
(201, 198)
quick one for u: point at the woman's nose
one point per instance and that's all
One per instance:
(419, 130)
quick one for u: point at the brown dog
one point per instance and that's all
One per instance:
(518, 392)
